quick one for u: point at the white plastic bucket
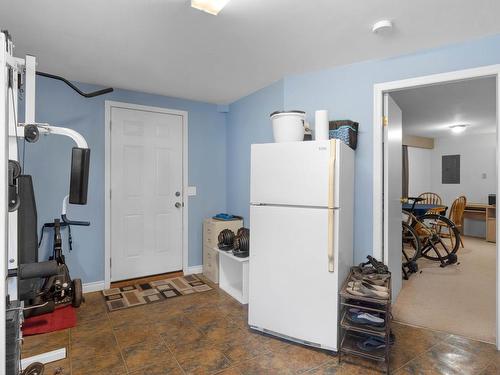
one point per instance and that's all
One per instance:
(288, 126)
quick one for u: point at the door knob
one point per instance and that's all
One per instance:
(178, 204)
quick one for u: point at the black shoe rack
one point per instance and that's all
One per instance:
(351, 334)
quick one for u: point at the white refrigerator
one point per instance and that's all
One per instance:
(301, 243)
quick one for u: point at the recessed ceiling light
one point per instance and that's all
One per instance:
(457, 129)
(209, 6)
(382, 26)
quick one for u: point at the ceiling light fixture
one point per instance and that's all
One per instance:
(457, 129)
(210, 6)
(383, 26)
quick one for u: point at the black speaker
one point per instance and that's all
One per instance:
(492, 199)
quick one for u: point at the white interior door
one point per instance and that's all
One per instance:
(393, 135)
(146, 193)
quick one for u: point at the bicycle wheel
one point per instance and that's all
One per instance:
(441, 240)
(411, 247)
(35, 368)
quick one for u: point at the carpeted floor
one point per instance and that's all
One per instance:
(456, 299)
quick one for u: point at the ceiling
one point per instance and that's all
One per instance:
(430, 111)
(166, 47)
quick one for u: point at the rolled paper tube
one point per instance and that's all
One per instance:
(321, 125)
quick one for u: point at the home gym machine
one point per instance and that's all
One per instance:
(29, 287)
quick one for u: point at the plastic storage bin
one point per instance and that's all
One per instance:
(346, 131)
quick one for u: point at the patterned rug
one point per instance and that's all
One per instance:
(155, 291)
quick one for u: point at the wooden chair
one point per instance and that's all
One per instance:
(431, 198)
(457, 214)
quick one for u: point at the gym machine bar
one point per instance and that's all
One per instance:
(85, 94)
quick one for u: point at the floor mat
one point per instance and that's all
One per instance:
(155, 291)
(59, 319)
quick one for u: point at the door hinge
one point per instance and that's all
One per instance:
(109, 194)
(385, 120)
(109, 263)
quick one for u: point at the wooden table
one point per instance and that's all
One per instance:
(486, 213)
(422, 208)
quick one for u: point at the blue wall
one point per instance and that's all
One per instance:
(346, 92)
(249, 123)
(219, 144)
(49, 159)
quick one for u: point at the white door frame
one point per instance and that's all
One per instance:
(107, 180)
(378, 188)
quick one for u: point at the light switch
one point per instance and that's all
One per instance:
(483, 176)
(191, 191)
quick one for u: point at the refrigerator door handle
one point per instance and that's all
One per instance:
(331, 226)
(331, 202)
(331, 174)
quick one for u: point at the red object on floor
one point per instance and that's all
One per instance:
(59, 319)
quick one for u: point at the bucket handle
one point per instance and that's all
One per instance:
(307, 127)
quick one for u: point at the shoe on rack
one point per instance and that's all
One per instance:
(374, 278)
(366, 319)
(362, 289)
(368, 285)
(371, 343)
(373, 317)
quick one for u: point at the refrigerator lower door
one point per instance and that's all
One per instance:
(292, 293)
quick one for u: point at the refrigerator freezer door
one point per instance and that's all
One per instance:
(291, 291)
(296, 173)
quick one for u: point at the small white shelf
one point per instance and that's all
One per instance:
(233, 275)
(230, 254)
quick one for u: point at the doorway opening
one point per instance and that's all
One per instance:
(437, 142)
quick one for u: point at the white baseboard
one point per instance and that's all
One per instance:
(95, 286)
(54, 355)
(193, 269)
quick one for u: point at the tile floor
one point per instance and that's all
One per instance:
(207, 333)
